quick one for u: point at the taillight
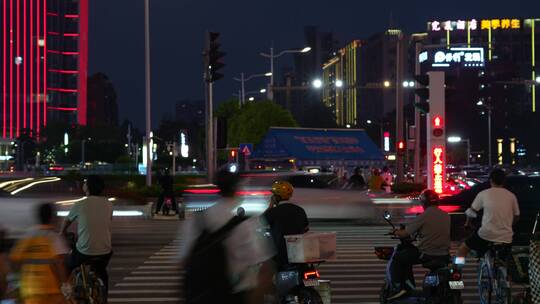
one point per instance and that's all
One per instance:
(253, 193)
(311, 275)
(456, 276)
(202, 191)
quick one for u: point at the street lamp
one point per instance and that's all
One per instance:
(368, 121)
(262, 91)
(386, 84)
(538, 79)
(457, 139)
(317, 83)
(272, 57)
(339, 83)
(243, 79)
(251, 98)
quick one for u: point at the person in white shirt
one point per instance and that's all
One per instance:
(501, 212)
(94, 223)
(388, 179)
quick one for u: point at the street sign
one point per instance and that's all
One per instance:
(246, 149)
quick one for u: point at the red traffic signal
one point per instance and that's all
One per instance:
(437, 126)
(233, 153)
(401, 146)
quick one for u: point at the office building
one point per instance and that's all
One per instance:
(493, 63)
(102, 102)
(43, 64)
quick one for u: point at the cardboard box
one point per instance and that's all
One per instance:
(311, 247)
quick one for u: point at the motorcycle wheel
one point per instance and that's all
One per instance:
(455, 298)
(309, 296)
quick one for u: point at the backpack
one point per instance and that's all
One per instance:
(206, 278)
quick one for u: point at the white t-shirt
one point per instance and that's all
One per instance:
(500, 206)
(94, 221)
(246, 247)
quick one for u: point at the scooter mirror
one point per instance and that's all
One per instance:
(240, 212)
(387, 215)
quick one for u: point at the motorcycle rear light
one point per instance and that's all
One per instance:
(456, 276)
(311, 275)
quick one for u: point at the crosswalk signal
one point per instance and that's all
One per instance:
(213, 58)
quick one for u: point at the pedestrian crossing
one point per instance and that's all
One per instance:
(356, 275)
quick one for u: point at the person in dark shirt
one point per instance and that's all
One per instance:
(356, 181)
(166, 182)
(284, 218)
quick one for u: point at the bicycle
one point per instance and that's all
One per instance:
(88, 288)
(493, 277)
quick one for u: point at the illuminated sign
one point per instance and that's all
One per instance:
(473, 24)
(184, 148)
(386, 141)
(438, 169)
(423, 57)
(467, 57)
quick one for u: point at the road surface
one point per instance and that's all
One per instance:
(144, 270)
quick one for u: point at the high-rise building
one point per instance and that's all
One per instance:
(102, 101)
(342, 81)
(44, 62)
(493, 62)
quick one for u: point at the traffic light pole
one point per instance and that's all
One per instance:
(210, 161)
(417, 123)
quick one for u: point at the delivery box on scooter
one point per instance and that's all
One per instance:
(311, 247)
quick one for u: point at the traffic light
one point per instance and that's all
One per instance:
(233, 154)
(437, 128)
(401, 147)
(423, 93)
(213, 58)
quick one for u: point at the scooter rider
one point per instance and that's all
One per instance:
(433, 230)
(284, 218)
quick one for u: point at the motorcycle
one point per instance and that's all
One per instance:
(296, 284)
(442, 282)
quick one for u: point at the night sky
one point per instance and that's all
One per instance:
(247, 27)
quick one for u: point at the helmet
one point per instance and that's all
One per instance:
(429, 197)
(282, 189)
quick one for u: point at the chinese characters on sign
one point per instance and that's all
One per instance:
(484, 24)
(438, 169)
(468, 57)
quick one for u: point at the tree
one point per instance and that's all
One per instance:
(254, 119)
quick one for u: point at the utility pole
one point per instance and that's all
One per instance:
(399, 108)
(147, 86)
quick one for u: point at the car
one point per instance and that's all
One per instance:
(527, 191)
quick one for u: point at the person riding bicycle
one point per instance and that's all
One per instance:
(433, 230)
(41, 255)
(166, 181)
(356, 181)
(284, 218)
(501, 211)
(94, 223)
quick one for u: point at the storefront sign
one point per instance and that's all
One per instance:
(473, 24)
(467, 57)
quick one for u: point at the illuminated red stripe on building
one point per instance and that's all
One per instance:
(71, 34)
(24, 64)
(54, 33)
(83, 62)
(63, 90)
(62, 52)
(52, 14)
(64, 71)
(45, 62)
(18, 85)
(31, 64)
(4, 89)
(10, 68)
(38, 83)
(71, 16)
(62, 108)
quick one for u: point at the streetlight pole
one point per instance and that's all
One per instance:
(417, 119)
(147, 89)
(272, 57)
(399, 108)
(243, 89)
(243, 80)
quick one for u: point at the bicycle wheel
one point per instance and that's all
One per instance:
(503, 293)
(485, 287)
(96, 289)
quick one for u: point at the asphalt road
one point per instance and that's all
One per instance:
(144, 268)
